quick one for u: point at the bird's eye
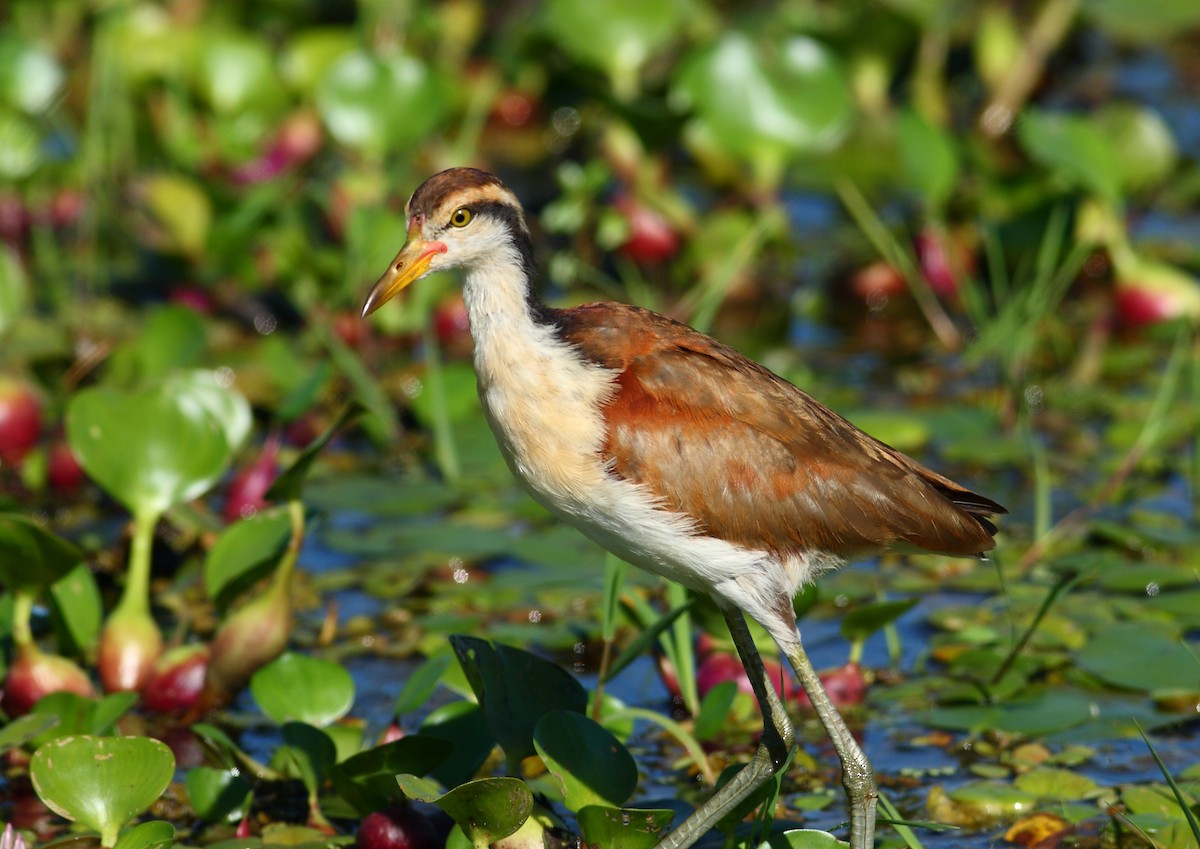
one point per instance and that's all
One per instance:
(461, 217)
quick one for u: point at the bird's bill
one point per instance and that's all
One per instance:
(410, 264)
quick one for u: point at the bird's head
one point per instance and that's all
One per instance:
(459, 218)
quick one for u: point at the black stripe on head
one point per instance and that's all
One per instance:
(511, 217)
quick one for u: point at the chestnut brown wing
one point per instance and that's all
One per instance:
(753, 459)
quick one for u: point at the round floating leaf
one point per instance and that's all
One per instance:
(1139, 657)
(1056, 785)
(767, 104)
(1044, 713)
(214, 391)
(589, 763)
(30, 556)
(101, 782)
(500, 676)
(296, 687)
(151, 449)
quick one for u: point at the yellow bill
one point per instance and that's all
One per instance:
(410, 264)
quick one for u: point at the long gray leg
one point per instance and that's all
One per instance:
(858, 778)
(774, 747)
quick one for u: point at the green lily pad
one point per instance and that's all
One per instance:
(500, 676)
(591, 766)
(296, 687)
(1139, 657)
(1056, 785)
(623, 828)
(101, 782)
(992, 800)
(150, 449)
(804, 838)
(1051, 711)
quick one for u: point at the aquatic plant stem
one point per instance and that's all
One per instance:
(135, 598)
(22, 614)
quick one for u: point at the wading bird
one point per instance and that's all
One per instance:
(681, 456)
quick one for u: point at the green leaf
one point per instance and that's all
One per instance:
(308, 751)
(487, 809)
(367, 780)
(714, 710)
(296, 687)
(30, 75)
(420, 685)
(217, 795)
(214, 391)
(804, 838)
(77, 609)
(464, 725)
(588, 762)
(500, 676)
(156, 834)
(31, 557)
(180, 211)
(616, 37)
(14, 288)
(623, 828)
(1143, 22)
(152, 449)
(1038, 714)
(1146, 149)
(235, 72)
(1055, 785)
(290, 483)
(244, 553)
(765, 103)
(1074, 147)
(864, 621)
(25, 728)
(349, 95)
(172, 337)
(928, 158)
(1138, 657)
(20, 146)
(101, 782)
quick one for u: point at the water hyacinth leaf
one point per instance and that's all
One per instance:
(309, 54)
(179, 213)
(992, 800)
(150, 449)
(30, 75)
(217, 795)
(109, 709)
(714, 710)
(296, 687)
(464, 725)
(623, 828)
(156, 834)
(767, 104)
(804, 838)
(487, 809)
(171, 338)
(77, 610)
(20, 145)
(235, 72)
(290, 483)
(32, 557)
(1138, 657)
(73, 712)
(101, 782)
(354, 85)
(500, 675)
(616, 37)
(14, 288)
(864, 621)
(928, 158)
(306, 753)
(420, 684)
(367, 780)
(1075, 147)
(589, 764)
(1146, 149)
(214, 391)
(23, 729)
(244, 553)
